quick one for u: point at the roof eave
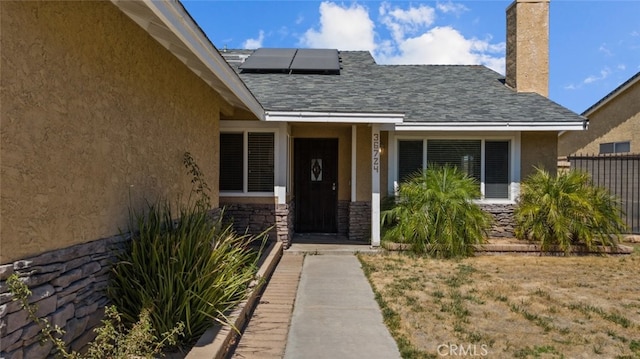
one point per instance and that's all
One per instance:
(493, 126)
(172, 26)
(612, 95)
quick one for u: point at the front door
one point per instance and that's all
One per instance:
(316, 186)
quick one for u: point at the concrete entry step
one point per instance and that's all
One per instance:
(327, 243)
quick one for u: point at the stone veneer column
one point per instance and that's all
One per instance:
(343, 218)
(284, 223)
(360, 221)
(255, 218)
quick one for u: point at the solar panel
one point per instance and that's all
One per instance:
(323, 61)
(316, 60)
(269, 60)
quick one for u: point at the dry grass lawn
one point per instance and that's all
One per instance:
(510, 306)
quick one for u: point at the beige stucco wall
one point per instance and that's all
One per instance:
(615, 121)
(538, 149)
(95, 113)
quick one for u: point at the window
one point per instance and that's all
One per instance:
(231, 155)
(253, 149)
(496, 178)
(409, 159)
(463, 154)
(615, 147)
(469, 156)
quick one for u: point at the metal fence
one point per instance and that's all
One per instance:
(620, 174)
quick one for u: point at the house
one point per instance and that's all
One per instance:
(614, 124)
(100, 100)
(340, 131)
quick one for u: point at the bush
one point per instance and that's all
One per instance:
(565, 210)
(435, 213)
(191, 270)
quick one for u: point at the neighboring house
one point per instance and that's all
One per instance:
(97, 113)
(614, 124)
(609, 150)
(340, 132)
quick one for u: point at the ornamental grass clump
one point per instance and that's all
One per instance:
(435, 213)
(191, 270)
(567, 210)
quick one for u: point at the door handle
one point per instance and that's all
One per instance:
(333, 186)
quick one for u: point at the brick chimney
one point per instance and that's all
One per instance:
(527, 63)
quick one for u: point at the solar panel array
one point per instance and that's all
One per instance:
(321, 61)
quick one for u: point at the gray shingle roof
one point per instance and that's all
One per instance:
(424, 93)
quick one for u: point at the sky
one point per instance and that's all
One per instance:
(594, 46)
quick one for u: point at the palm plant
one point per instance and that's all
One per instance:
(565, 210)
(435, 213)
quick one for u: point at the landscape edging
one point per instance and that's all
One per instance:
(215, 342)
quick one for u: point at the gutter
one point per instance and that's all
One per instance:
(493, 126)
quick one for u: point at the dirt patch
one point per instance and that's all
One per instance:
(510, 306)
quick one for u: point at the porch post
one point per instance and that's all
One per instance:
(354, 161)
(375, 185)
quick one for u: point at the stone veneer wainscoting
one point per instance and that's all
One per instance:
(69, 288)
(503, 220)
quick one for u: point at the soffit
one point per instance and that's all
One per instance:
(170, 24)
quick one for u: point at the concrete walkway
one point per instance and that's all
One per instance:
(335, 314)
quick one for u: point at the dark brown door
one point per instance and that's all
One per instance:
(316, 186)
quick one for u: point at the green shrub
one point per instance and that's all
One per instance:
(435, 213)
(565, 210)
(191, 270)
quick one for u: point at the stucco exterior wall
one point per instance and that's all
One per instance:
(95, 115)
(538, 149)
(615, 121)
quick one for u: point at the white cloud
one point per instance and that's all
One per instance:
(412, 39)
(344, 28)
(621, 67)
(401, 22)
(604, 73)
(446, 45)
(604, 49)
(450, 7)
(254, 43)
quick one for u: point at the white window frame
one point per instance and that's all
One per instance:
(241, 127)
(514, 158)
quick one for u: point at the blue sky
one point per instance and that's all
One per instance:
(594, 46)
